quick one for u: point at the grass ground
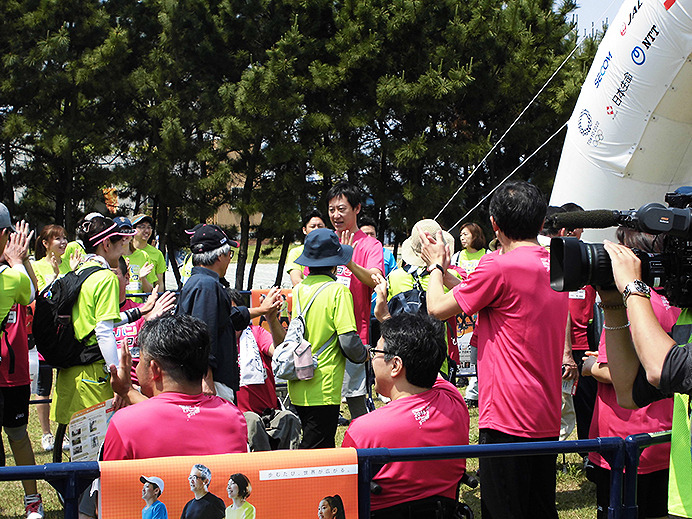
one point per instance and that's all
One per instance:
(576, 497)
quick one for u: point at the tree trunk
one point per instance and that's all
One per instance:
(287, 239)
(246, 198)
(174, 265)
(6, 183)
(242, 251)
(255, 257)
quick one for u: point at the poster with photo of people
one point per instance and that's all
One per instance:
(297, 484)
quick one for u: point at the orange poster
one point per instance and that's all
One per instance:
(283, 483)
(284, 314)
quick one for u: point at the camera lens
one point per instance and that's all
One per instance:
(574, 264)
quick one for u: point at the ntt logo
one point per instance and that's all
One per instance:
(638, 55)
(584, 122)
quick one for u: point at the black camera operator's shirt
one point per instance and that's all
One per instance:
(676, 375)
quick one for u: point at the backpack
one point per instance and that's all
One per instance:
(53, 327)
(412, 301)
(293, 359)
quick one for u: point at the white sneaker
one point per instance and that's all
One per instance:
(33, 504)
(47, 442)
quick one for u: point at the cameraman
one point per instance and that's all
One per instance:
(646, 364)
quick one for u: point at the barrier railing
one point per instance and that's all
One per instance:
(612, 449)
(634, 445)
(71, 479)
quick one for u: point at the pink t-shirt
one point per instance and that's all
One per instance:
(367, 252)
(258, 397)
(581, 313)
(521, 338)
(435, 417)
(609, 419)
(193, 424)
(126, 335)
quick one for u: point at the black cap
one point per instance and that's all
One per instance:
(209, 237)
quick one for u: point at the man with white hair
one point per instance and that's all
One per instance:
(204, 296)
(204, 505)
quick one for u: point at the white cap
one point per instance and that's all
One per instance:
(152, 479)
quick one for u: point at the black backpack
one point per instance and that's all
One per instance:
(53, 328)
(412, 301)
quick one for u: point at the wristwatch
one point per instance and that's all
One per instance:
(636, 288)
(436, 266)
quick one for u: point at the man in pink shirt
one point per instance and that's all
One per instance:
(425, 411)
(174, 357)
(368, 259)
(521, 334)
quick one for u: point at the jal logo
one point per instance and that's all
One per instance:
(584, 122)
(603, 69)
(635, 10)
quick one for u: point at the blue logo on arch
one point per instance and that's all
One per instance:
(638, 55)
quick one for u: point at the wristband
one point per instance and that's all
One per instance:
(436, 266)
(610, 307)
(133, 314)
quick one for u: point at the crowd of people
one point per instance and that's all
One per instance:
(541, 368)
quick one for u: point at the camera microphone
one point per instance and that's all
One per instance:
(596, 219)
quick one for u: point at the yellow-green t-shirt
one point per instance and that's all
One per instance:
(15, 287)
(71, 247)
(331, 314)
(156, 257)
(98, 300)
(401, 281)
(137, 260)
(680, 473)
(45, 273)
(291, 258)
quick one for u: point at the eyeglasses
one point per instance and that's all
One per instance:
(231, 253)
(374, 351)
(193, 477)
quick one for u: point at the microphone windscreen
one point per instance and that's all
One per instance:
(596, 219)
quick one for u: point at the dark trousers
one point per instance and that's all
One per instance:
(516, 487)
(584, 399)
(319, 425)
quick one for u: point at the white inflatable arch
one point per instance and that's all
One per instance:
(629, 139)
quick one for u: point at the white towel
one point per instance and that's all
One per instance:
(251, 366)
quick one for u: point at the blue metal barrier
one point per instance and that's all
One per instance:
(71, 479)
(612, 449)
(634, 445)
